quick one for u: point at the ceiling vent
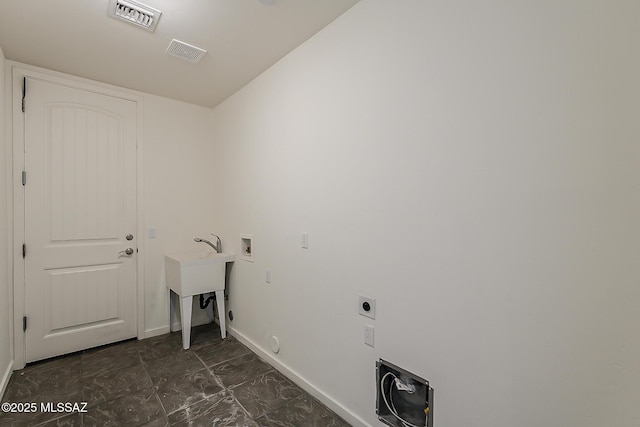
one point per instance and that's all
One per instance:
(135, 13)
(185, 51)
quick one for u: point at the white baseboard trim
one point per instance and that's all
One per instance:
(327, 400)
(155, 332)
(177, 326)
(5, 379)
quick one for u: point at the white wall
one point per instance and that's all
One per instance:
(474, 167)
(178, 181)
(6, 310)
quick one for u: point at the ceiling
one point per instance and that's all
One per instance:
(242, 38)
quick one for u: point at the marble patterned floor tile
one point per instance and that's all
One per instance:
(155, 383)
(131, 410)
(23, 419)
(108, 385)
(161, 346)
(38, 417)
(157, 422)
(218, 411)
(72, 420)
(56, 380)
(60, 375)
(204, 335)
(110, 359)
(227, 349)
(173, 366)
(241, 369)
(19, 420)
(265, 393)
(183, 391)
(303, 411)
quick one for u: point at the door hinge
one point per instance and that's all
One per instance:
(24, 91)
(24, 177)
(24, 323)
(24, 250)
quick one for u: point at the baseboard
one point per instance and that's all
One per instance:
(177, 326)
(327, 400)
(155, 332)
(5, 379)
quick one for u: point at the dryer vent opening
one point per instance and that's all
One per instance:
(403, 399)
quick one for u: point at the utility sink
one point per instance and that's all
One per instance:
(195, 273)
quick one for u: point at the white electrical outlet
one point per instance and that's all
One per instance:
(268, 276)
(367, 307)
(305, 240)
(369, 332)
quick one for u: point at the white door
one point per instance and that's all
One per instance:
(80, 205)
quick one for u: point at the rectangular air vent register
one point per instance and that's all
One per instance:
(135, 13)
(185, 51)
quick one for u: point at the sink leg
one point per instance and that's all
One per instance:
(222, 315)
(186, 304)
(173, 302)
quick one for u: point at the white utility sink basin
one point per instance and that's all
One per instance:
(195, 273)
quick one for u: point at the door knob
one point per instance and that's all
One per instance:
(127, 251)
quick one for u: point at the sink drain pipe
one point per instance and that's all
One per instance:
(204, 304)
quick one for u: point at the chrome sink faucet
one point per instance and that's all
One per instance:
(217, 247)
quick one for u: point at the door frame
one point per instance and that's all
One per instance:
(17, 128)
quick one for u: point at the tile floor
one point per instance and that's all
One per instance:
(154, 382)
